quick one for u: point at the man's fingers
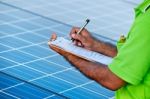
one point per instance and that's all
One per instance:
(80, 44)
(78, 37)
(74, 30)
(53, 37)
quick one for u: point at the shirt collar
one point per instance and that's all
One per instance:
(142, 7)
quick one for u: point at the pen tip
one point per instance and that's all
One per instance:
(87, 20)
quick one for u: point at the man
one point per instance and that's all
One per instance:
(129, 72)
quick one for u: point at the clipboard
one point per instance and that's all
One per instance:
(68, 46)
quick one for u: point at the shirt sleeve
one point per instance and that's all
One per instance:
(133, 59)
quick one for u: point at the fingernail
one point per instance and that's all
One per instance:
(79, 44)
(73, 35)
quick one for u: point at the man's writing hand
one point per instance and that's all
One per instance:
(84, 39)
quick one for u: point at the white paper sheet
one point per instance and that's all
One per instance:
(68, 46)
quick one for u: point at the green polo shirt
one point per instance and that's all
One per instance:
(132, 63)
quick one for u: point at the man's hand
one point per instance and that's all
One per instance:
(85, 39)
(72, 58)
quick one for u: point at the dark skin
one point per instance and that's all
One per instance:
(96, 71)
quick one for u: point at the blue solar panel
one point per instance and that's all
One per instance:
(12, 87)
(28, 68)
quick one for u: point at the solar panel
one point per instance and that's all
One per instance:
(28, 68)
(110, 19)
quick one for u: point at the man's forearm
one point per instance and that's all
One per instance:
(98, 72)
(105, 48)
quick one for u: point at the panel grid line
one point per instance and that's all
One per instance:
(10, 95)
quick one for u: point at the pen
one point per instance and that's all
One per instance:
(81, 29)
